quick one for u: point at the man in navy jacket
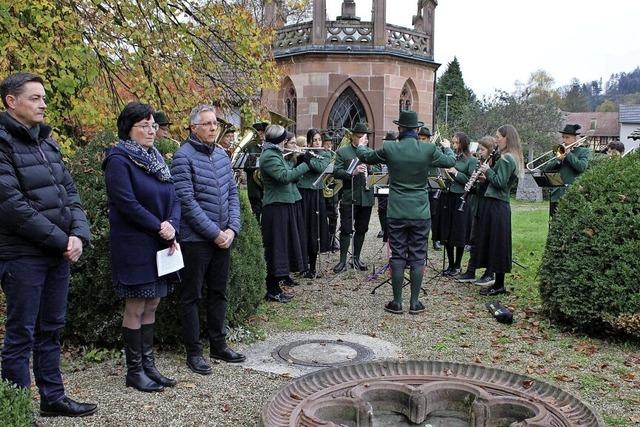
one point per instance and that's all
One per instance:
(210, 221)
(43, 230)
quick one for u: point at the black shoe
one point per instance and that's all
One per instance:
(486, 280)
(454, 272)
(437, 245)
(149, 361)
(136, 376)
(447, 270)
(492, 291)
(228, 355)
(288, 281)
(416, 308)
(380, 234)
(67, 407)
(198, 365)
(280, 297)
(359, 265)
(310, 274)
(340, 267)
(466, 277)
(393, 307)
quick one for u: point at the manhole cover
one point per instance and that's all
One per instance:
(322, 353)
(438, 394)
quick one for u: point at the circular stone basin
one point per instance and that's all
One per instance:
(426, 393)
(323, 353)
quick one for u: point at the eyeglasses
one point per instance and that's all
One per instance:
(207, 124)
(147, 127)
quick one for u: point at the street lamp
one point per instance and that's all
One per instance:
(446, 108)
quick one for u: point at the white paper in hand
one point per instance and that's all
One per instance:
(169, 263)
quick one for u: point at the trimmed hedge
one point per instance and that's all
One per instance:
(15, 406)
(590, 272)
(95, 313)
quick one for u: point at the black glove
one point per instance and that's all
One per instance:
(500, 312)
(306, 157)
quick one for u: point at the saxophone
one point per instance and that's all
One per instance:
(493, 157)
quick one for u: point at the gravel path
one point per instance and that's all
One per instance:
(455, 327)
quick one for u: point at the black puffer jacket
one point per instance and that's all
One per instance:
(39, 205)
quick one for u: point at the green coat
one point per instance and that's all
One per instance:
(317, 166)
(501, 177)
(408, 161)
(570, 168)
(279, 177)
(465, 167)
(253, 190)
(358, 195)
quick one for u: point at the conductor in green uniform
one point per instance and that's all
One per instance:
(408, 214)
(357, 201)
(569, 164)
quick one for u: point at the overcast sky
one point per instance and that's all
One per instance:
(499, 42)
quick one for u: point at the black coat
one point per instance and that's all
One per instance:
(39, 205)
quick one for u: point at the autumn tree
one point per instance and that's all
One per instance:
(98, 54)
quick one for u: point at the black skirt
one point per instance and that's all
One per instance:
(454, 224)
(284, 238)
(493, 243)
(316, 223)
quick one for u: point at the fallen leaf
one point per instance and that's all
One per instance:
(527, 384)
(563, 377)
(188, 385)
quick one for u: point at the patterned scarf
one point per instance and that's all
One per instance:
(149, 161)
(270, 146)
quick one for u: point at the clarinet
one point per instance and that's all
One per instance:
(474, 177)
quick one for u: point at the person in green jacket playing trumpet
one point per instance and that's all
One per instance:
(408, 214)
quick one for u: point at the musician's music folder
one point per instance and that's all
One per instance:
(169, 263)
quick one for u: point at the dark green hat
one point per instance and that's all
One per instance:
(161, 118)
(424, 131)
(360, 128)
(571, 129)
(390, 136)
(326, 137)
(260, 126)
(408, 119)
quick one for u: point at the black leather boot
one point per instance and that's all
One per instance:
(136, 377)
(149, 360)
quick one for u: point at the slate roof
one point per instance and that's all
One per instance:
(630, 113)
(606, 123)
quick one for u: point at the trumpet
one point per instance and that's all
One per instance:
(301, 150)
(558, 152)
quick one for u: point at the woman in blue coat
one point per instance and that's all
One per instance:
(144, 216)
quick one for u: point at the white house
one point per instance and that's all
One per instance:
(629, 122)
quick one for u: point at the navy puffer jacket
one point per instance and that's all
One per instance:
(207, 191)
(39, 205)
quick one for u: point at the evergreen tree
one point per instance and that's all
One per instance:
(574, 99)
(461, 99)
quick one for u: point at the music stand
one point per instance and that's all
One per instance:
(548, 179)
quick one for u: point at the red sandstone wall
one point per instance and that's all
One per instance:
(378, 80)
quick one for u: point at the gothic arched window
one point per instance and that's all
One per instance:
(346, 111)
(291, 104)
(405, 98)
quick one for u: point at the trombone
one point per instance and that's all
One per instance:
(558, 152)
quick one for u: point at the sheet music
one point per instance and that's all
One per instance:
(169, 263)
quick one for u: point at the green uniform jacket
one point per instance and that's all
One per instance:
(573, 165)
(408, 162)
(501, 177)
(279, 178)
(358, 195)
(253, 190)
(317, 166)
(465, 167)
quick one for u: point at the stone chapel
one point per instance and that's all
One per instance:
(338, 73)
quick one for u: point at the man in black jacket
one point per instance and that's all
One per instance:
(43, 230)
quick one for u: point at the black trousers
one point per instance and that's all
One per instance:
(553, 207)
(205, 266)
(359, 220)
(408, 242)
(256, 207)
(332, 213)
